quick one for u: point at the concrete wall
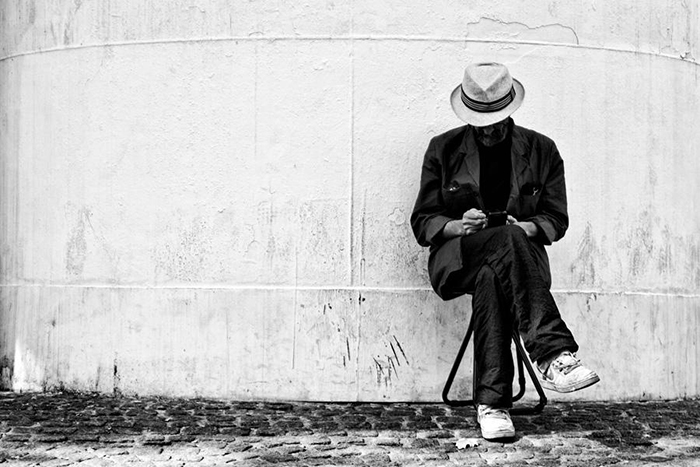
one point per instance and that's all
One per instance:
(208, 199)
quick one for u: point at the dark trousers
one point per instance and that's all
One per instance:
(508, 291)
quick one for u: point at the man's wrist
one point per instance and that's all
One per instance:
(534, 230)
(530, 228)
(453, 229)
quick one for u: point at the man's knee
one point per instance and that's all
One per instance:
(486, 277)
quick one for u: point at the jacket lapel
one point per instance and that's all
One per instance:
(471, 155)
(520, 164)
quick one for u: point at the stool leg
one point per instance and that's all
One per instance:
(524, 360)
(521, 377)
(455, 368)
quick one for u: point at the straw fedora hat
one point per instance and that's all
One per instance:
(488, 94)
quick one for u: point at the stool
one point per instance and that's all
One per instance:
(522, 360)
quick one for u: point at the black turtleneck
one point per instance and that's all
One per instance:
(494, 176)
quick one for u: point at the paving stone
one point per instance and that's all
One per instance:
(520, 455)
(366, 433)
(169, 463)
(16, 437)
(46, 438)
(375, 459)
(188, 454)
(314, 440)
(467, 457)
(16, 430)
(423, 425)
(386, 441)
(53, 430)
(277, 458)
(420, 443)
(565, 450)
(56, 463)
(97, 462)
(238, 446)
(448, 447)
(235, 431)
(315, 455)
(354, 440)
(435, 434)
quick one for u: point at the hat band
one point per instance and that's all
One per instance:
(485, 107)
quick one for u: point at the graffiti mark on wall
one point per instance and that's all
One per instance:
(386, 368)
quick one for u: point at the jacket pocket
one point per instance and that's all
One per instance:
(459, 198)
(528, 199)
(527, 206)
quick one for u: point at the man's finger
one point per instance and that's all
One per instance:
(473, 222)
(474, 214)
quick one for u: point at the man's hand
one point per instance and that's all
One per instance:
(529, 227)
(473, 221)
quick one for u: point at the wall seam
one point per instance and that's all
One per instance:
(358, 308)
(351, 175)
(293, 288)
(352, 39)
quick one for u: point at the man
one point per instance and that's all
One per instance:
(488, 166)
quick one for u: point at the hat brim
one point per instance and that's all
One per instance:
(474, 118)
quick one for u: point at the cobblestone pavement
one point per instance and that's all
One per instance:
(57, 429)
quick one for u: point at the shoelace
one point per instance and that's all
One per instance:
(498, 413)
(566, 363)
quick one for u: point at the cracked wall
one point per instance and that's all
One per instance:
(205, 199)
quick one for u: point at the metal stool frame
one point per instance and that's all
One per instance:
(522, 360)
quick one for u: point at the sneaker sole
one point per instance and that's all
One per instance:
(498, 434)
(575, 387)
(502, 434)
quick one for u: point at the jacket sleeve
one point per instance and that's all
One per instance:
(551, 218)
(429, 213)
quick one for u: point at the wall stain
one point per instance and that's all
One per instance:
(397, 217)
(6, 371)
(583, 268)
(76, 246)
(693, 265)
(401, 349)
(97, 378)
(116, 379)
(184, 256)
(591, 298)
(640, 243)
(493, 27)
(394, 352)
(385, 372)
(393, 366)
(665, 261)
(379, 371)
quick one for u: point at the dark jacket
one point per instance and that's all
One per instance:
(450, 186)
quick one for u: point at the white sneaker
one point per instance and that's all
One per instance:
(566, 374)
(495, 423)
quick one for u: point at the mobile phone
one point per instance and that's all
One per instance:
(496, 218)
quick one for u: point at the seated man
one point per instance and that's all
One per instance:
(493, 166)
